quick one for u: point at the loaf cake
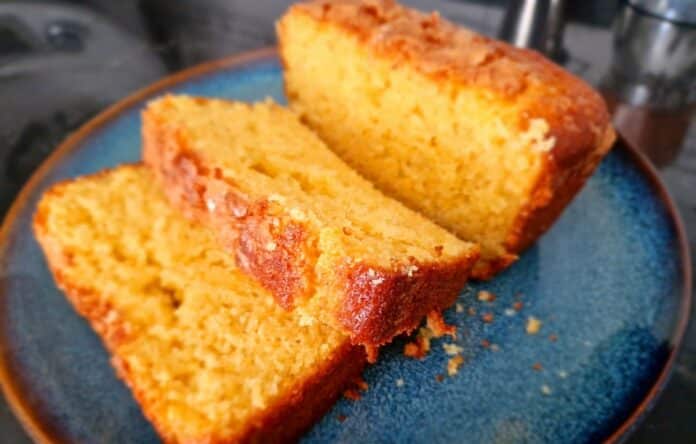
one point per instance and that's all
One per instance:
(206, 351)
(321, 238)
(488, 140)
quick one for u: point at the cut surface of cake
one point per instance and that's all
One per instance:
(206, 351)
(488, 140)
(299, 220)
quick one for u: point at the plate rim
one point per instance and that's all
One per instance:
(40, 433)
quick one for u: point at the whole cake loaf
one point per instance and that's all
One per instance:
(488, 140)
(208, 354)
(321, 238)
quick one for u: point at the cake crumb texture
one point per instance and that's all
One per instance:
(311, 230)
(488, 140)
(206, 351)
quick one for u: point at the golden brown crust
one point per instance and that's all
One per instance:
(555, 188)
(102, 317)
(399, 302)
(294, 414)
(290, 416)
(485, 270)
(285, 421)
(577, 116)
(281, 253)
(244, 226)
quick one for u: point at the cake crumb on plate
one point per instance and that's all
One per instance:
(421, 346)
(533, 325)
(453, 365)
(452, 349)
(486, 296)
(352, 394)
(361, 384)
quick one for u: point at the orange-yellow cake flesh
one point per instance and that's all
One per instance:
(487, 140)
(208, 354)
(299, 220)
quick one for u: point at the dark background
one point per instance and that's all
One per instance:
(63, 61)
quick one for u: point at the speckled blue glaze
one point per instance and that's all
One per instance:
(606, 280)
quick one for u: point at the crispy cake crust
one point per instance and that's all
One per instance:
(371, 314)
(377, 313)
(555, 188)
(285, 421)
(577, 116)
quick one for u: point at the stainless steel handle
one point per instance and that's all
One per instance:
(536, 24)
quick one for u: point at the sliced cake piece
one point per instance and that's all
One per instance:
(488, 140)
(316, 234)
(207, 352)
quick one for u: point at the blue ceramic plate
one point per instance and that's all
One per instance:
(608, 282)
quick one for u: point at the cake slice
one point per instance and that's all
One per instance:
(321, 238)
(206, 351)
(487, 140)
